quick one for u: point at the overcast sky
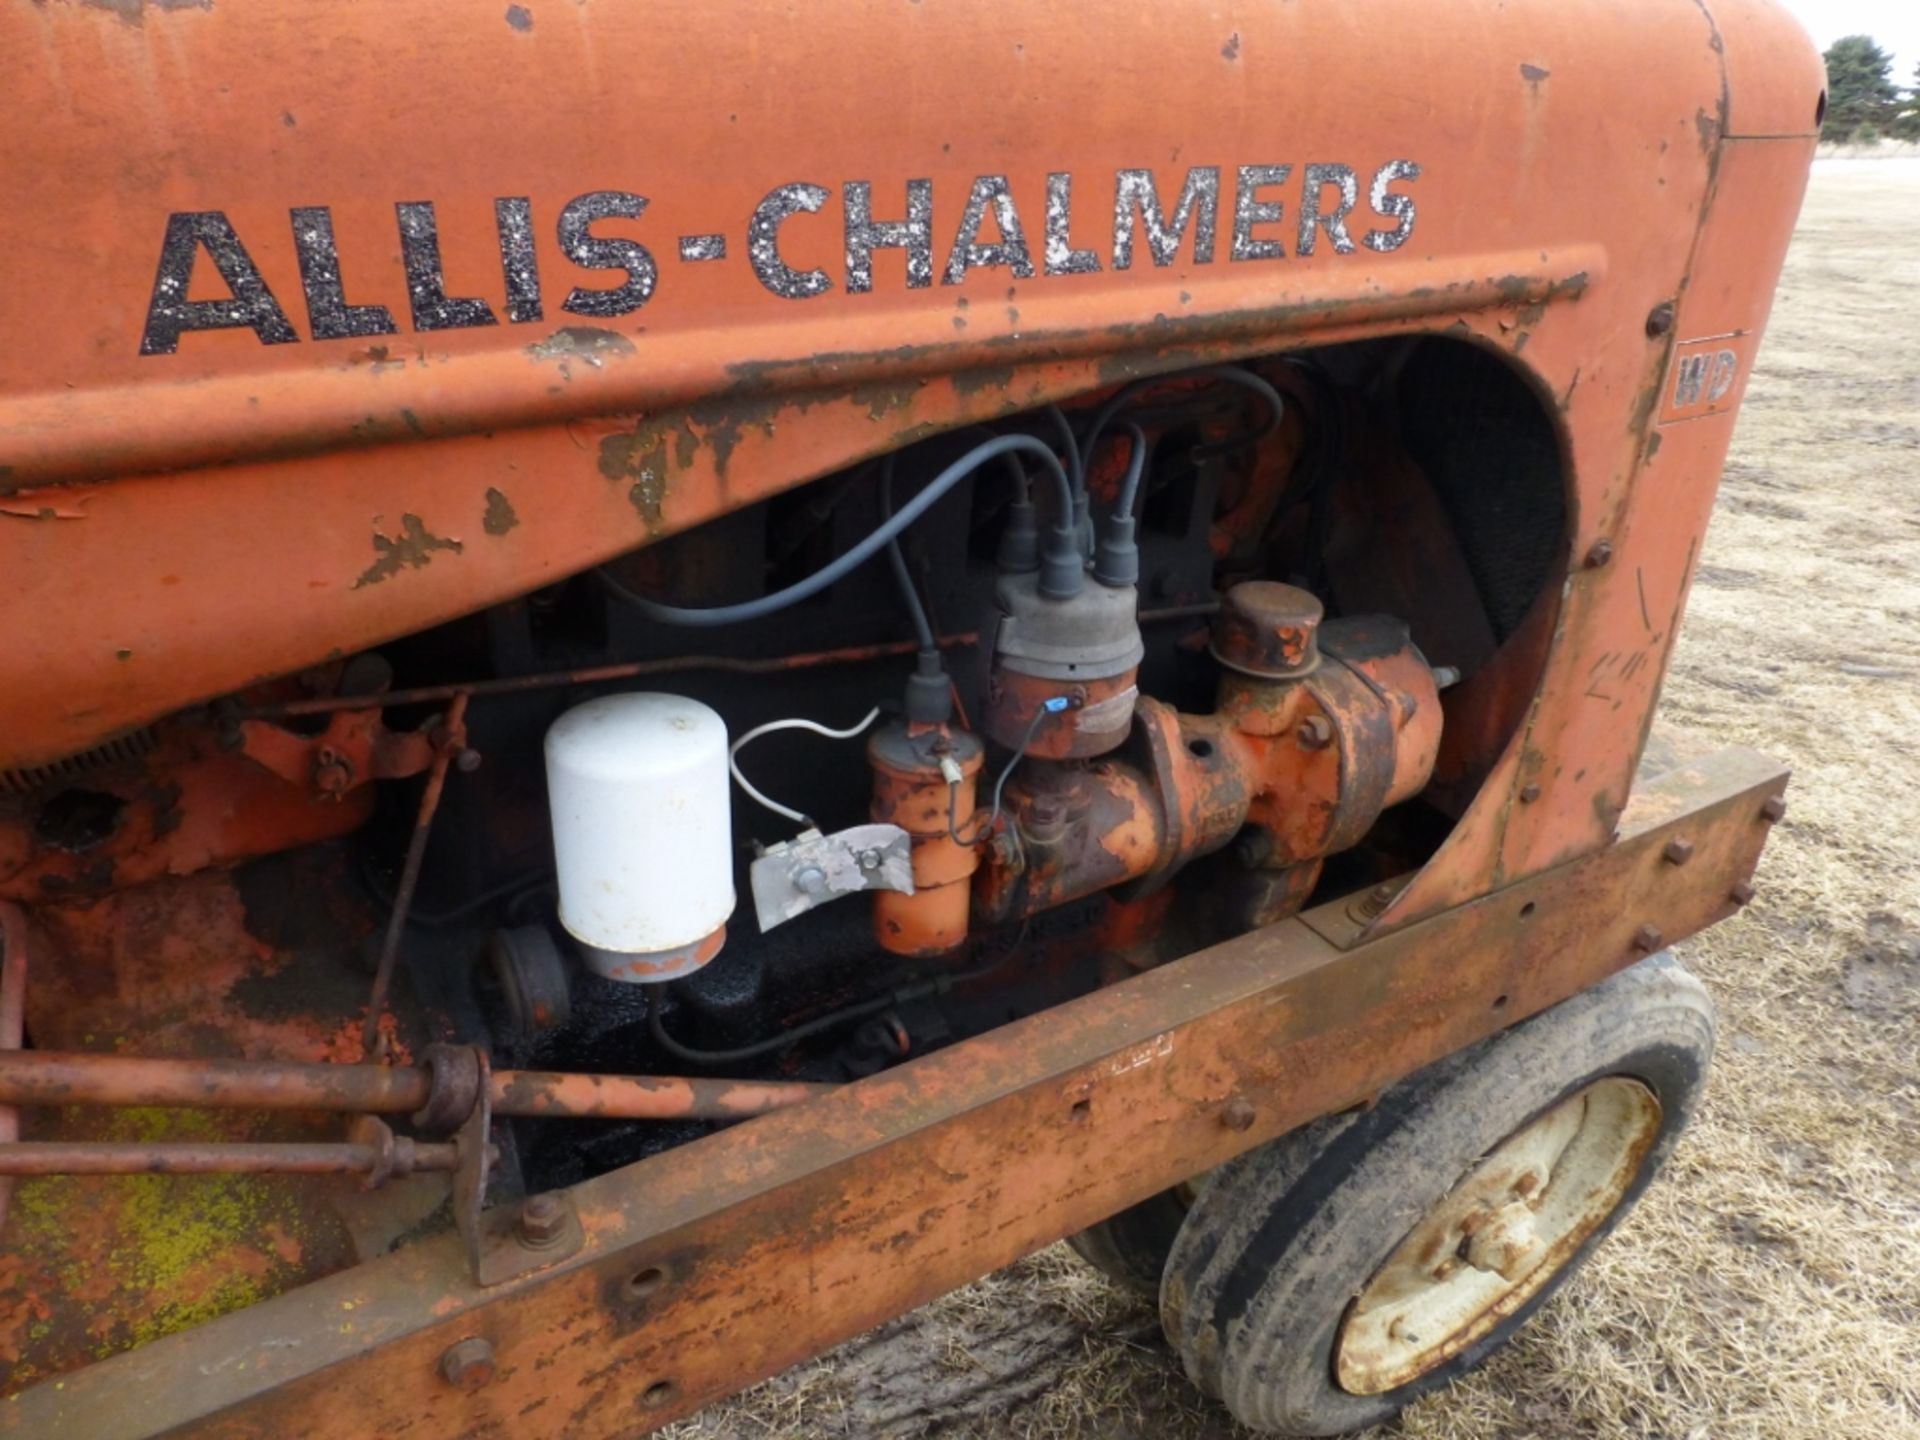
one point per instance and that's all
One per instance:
(1895, 24)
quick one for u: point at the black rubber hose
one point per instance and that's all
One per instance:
(770, 1046)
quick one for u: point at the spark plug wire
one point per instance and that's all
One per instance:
(1048, 708)
(876, 541)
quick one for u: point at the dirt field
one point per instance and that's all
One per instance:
(1770, 1285)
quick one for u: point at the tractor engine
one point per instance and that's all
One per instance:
(833, 781)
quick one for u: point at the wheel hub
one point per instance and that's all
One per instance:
(1498, 1236)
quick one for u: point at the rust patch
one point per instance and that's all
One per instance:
(638, 458)
(735, 415)
(520, 18)
(983, 378)
(1231, 50)
(1708, 129)
(499, 518)
(411, 549)
(588, 344)
(377, 358)
(883, 397)
(1533, 74)
(134, 12)
(51, 502)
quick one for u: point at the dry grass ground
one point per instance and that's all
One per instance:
(1770, 1285)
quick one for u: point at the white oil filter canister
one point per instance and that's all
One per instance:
(642, 833)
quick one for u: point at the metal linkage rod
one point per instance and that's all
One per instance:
(57, 1157)
(43, 1077)
(13, 1020)
(452, 743)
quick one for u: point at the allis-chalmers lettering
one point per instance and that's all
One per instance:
(1325, 198)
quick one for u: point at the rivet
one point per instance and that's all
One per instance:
(1238, 1116)
(1529, 794)
(1600, 553)
(1660, 320)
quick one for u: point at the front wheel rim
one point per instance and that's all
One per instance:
(1498, 1237)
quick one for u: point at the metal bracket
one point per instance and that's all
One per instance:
(797, 875)
(473, 1143)
(508, 1250)
(499, 1244)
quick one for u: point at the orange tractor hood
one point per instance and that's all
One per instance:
(321, 324)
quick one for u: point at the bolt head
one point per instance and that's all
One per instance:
(467, 1364)
(1314, 733)
(332, 771)
(1047, 810)
(467, 760)
(543, 1219)
(1678, 852)
(1529, 794)
(1773, 808)
(1238, 1115)
(1741, 894)
(1647, 938)
(1253, 849)
(1599, 554)
(1659, 320)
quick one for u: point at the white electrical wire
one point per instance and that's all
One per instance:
(811, 726)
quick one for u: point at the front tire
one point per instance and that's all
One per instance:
(1320, 1284)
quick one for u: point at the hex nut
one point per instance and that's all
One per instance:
(1677, 852)
(1741, 894)
(332, 771)
(543, 1220)
(467, 1364)
(1314, 733)
(1773, 808)
(1647, 938)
